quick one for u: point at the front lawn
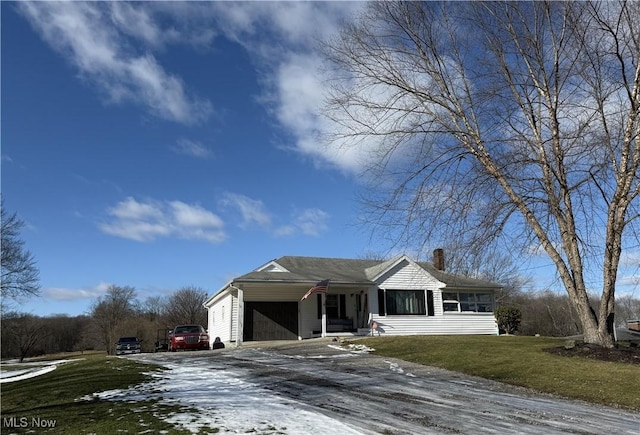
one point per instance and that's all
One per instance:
(60, 401)
(521, 361)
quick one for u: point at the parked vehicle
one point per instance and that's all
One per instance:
(126, 345)
(188, 337)
(162, 339)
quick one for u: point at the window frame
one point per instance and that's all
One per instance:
(467, 300)
(425, 302)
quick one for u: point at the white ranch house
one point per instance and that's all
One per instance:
(394, 297)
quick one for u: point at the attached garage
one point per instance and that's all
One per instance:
(270, 321)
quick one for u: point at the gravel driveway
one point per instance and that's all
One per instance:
(371, 394)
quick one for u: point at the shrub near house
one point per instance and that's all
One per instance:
(508, 319)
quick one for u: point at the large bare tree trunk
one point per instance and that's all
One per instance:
(498, 121)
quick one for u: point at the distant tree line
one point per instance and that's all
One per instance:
(551, 314)
(118, 313)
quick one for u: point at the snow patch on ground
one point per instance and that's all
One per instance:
(31, 370)
(394, 367)
(223, 400)
(353, 348)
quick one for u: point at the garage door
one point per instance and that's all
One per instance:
(270, 321)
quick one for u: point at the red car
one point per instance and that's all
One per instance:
(188, 337)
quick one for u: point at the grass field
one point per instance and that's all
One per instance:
(53, 403)
(521, 361)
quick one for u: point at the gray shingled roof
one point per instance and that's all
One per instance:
(346, 271)
(311, 269)
(452, 280)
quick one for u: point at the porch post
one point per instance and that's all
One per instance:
(324, 314)
(240, 321)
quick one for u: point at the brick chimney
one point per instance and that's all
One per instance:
(438, 259)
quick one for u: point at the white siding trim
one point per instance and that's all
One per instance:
(409, 276)
(449, 324)
(218, 318)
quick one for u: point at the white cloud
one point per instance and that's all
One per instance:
(312, 221)
(138, 23)
(192, 148)
(254, 214)
(69, 294)
(630, 258)
(309, 222)
(294, 73)
(252, 211)
(130, 209)
(86, 35)
(285, 231)
(633, 280)
(113, 45)
(147, 221)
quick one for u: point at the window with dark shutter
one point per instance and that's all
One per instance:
(430, 310)
(405, 302)
(319, 299)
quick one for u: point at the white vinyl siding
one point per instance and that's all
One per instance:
(407, 276)
(460, 324)
(273, 293)
(221, 316)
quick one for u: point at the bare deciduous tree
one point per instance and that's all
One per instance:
(109, 313)
(492, 121)
(489, 264)
(20, 276)
(24, 333)
(185, 306)
(627, 308)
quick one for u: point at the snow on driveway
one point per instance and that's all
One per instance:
(222, 399)
(317, 387)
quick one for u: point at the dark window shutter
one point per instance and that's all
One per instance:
(381, 309)
(430, 303)
(319, 299)
(343, 306)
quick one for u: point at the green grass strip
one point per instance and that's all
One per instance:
(53, 402)
(520, 361)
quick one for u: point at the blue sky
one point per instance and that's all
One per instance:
(160, 145)
(173, 152)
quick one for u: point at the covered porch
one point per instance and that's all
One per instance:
(261, 314)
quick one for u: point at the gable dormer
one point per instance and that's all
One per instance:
(404, 273)
(271, 266)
